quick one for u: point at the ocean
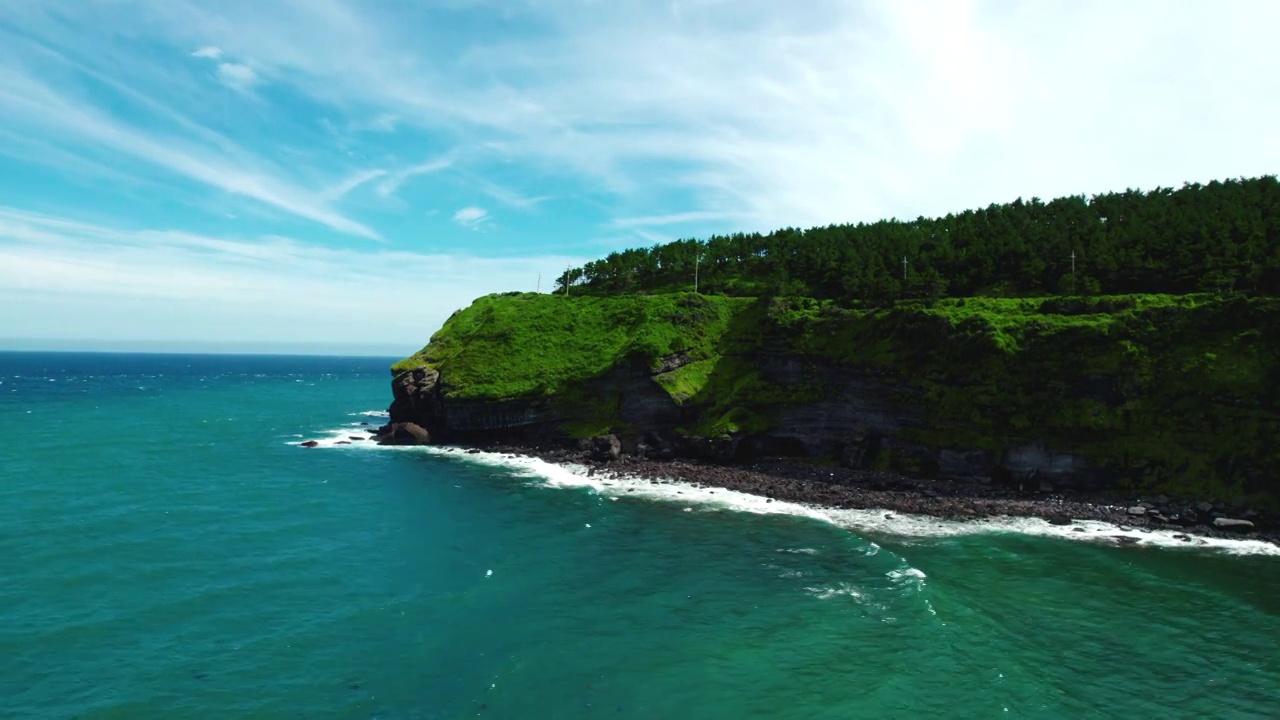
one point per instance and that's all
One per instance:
(167, 550)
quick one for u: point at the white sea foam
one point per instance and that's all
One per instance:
(371, 413)
(339, 437)
(907, 577)
(840, 589)
(869, 521)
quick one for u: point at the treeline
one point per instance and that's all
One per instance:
(1224, 236)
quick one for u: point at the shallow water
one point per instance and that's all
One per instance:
(168, 551)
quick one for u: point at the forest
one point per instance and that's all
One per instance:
(1222, 237)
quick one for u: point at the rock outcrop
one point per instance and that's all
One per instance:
(1032, 405)
(402, 433)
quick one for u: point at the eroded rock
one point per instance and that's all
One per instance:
(602, 448)
(403, 433)
(1233, 524)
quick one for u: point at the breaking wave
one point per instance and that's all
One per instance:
(866, 521)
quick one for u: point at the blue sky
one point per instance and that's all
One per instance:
(330, 173)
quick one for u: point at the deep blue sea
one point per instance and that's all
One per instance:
(167, 550)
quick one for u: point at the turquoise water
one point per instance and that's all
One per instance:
(166, 552)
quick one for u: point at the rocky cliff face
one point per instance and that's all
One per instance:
(1178, 398)
(860, 423)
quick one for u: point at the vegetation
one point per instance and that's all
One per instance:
(1158, 357)
(1220, 237)
(529, 344)
(1173, 392)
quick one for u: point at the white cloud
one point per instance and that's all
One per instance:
(395, 179)
(386, 122)
(31, 105)
(71, 279)
(671, 219)
(352, 182)
(507, 196)
(237, 76)
(804, 113)
(471, 217)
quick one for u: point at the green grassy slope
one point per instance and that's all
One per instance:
(527, 344)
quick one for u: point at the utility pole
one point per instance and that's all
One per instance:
(567, 279)
(904, 267)
(1073, 262)
(697, 257)
(539, 283)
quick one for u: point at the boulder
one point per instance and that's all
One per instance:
(309, 443)
(1233, 524)
(602, 448)
(1137, 510)
(658, 447)
(1204, 507)
(404, 433)
(1059, 519)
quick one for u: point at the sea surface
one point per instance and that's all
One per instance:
(167, 550)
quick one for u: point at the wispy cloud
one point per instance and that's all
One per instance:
(352, 182)
(237, 76)
(471, 217)
(386, 122)
(837, 111)
(648, 120)
(507, 196)
(671, 219)
(33, 108)
(397, 178)
(82, 273)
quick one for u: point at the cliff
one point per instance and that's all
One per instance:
(1173, 394)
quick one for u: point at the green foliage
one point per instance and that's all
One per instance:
(1174, 392)
(536, 345)
(688, 381)
(1137, 329)
(1179, 393)
(1222, 238)
(730, 421)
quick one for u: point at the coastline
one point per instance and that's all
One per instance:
(837, 488)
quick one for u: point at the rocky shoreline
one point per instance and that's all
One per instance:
(797, 480)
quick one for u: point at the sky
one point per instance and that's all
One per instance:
(318, 174)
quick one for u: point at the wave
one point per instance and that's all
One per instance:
(866, 521)
(353, 435)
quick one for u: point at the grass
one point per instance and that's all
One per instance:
(521, 345)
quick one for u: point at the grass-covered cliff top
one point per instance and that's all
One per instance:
(523, 344)
(527, 344)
